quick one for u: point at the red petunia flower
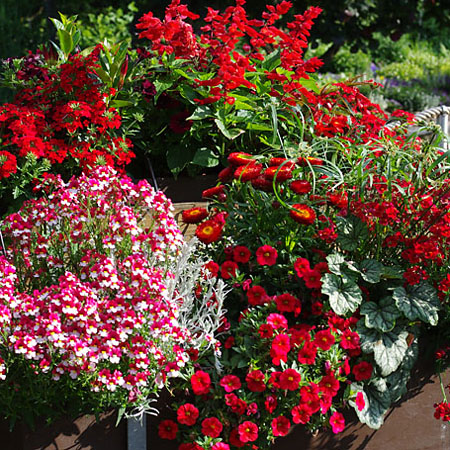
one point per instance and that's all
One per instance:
(288, 303)
(220, 446)
(248, 431)
(200, 382)
(266, 255)
(255, 381)
(324, 340)
(301, 186)
(209, 231)
(235, 441)
(211, 268)
(168, 429)
(8, 164)
(230, 383)
(360, 402)
(280, 348)
(257, 295)
(329, 385)
(290, 379)
(194, 215)
(212, 427)
(280, 426)
(228, 270)
(349, 340)
(241, 254)
(337, 422)
(312, 279)
(270, 403)
(300, 414)
(307, 354)
(302, 214)
(237, 405)
(362, 371)
(187, 414)
(301, 266)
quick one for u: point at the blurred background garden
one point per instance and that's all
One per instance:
(404, 45)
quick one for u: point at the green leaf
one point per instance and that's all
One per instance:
(371, 270)
(177, 158)
(392, 273)
(121, 103)
(201, 112)
(398, 380)
(378, 401)
(162, 86)
(418, 302)
(380, 316)
(390, 350)
(272, 61)
(310, 84)
(66, 42)
(368, 337)
(230, 134)
(258, 127)
(351, 231)
(344, 294)
(205, 157)
(335, 260)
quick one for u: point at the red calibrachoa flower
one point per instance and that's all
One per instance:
(212, 427)
(301, 266)
(230, 383)
(302, 214)
(220, 446)
(312, 279)
(8, 164)
(290, 379)
(288, 303)
(168, 429)
(209, 231)
(270, 403)
(266, 255)
(337, 422)
(241, 254)
(194, 215)
(362, 371)
(200, 382)
(248, 431)
(280, 348)
(280, 426)
(228, 270)
(300, 414)
(187, 414)
(255, 381)
(324, 339)
(257, 295)
(265, 331)
(360, 402)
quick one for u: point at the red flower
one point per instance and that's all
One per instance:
(212, 268)
(312, 279)
(349, 340)
(301, 186)
(280, 348)
(187, 414)
(278, 173)
(8, 164)
(178, 123)
(262, 183)
(240, 158)
(255, 381)
(329, 385)
(228, 270)
(360, 402)
(248, 431)
(311, 160)
(230, 383)
(280, 426)
(307, 354)
(302, 214)
(266, 255)
(200, 382)
(290, 379)
(236, 404)
(167, 429)
(324, 339)
(362, 371)
(301, 266)
(220, 446)
(337, 422)
(216, 191)
(248, 172)
(339, 199)
(194, 215)
(300, 414)
(234, 439)
(270, 403)
(288, 303)
(226, 174)
(209, 231)
(265, 331)
(212, 427)
(241, 254)
(190, 446)
(277, 321)
(257, 295)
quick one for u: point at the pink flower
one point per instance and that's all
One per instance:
(337, 422)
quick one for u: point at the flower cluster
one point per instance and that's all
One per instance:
(87, 293)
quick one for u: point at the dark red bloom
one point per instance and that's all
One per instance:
(329, 385)
(255, 381)
(300, 414)
(301, 186)
(307, 354)
(257, 295)
(324, 339)
(312, 279)
(200, 382)
(248, 431)
(228, 270)
(178, 123)
(230, 383)
(167, 429)
(265, 331)
(280, 426)
(301, 266)
(8, 164)
(241, 254)
(187, 414)
(288, 303)
(266, 255)
(362, 371)
(280, 348)
(212, 427)
(289, 380)
(214, 192)
(270, 404)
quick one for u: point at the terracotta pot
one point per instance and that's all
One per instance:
(83, 433)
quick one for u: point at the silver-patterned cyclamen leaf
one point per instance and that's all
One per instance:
(345, 295)
(381, 315)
